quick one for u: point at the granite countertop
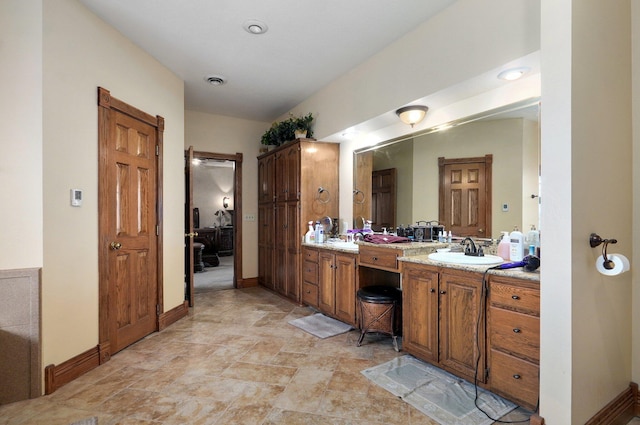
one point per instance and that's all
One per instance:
(518, 273)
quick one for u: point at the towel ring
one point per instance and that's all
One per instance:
(357, 192)
(326, 200)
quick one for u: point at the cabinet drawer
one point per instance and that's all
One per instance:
(515, 333)
(309, 294)
(514, 378)
(310, 255)
(382, 258)
(515, 298)
(310, 272)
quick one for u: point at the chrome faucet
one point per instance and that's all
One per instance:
(470, 248)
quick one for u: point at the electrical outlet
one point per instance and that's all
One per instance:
(505, 207)
(249, 217)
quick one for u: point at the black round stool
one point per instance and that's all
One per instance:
(380, 311)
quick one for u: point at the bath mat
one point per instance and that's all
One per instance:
(320, 325)
(443, 397)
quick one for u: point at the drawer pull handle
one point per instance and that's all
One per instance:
(374, 258)
(516, 330)
(443, 292)
(432, 290)
(516, 376)
(515, 297)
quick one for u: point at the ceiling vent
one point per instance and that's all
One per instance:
(215, 80)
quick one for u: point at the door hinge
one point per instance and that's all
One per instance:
(157, 150)
(158, 310)
(157, 230)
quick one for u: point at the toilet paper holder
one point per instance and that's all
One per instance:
(595, 240)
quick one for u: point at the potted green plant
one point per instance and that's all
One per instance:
(302, 126)
(285, 131)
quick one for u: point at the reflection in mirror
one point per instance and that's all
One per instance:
(510, 136)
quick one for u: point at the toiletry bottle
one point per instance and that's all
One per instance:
(516, 238)
(367, 227)
(400, 230)
(450, 237)
(533, 240)
(310, 236)
(317, 232)
(504, 247)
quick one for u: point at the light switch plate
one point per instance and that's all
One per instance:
(505, 207)
(76, 197)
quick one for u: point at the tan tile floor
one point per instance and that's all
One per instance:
(233, 360)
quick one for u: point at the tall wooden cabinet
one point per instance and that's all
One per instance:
(289, 179)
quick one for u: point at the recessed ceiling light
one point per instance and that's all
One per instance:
(215, 80)
(513, 73)
(253, 26)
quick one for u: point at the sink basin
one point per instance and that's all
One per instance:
(460, 258)
(344, 245)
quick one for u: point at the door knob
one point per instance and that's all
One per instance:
(191, 235)
(115, 245)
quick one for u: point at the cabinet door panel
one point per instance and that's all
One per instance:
(420, 312)
(326, 288)
(345, 287)
(461, 325)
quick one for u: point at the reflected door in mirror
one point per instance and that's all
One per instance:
(383, 199)
(465, 195)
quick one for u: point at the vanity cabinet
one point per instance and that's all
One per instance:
(310, 277)
(337, 285)
(288, 198)
(513, 323)
(442, 312)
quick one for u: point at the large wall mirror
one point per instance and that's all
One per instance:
(398, 182)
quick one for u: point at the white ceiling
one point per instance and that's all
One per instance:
(308, 44)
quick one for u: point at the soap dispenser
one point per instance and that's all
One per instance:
(504, 247)
(310, 236)
(516, 239)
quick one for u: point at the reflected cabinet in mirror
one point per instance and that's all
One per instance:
(476, 176)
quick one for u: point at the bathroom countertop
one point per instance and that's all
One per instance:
(518, 273)
(407, 248)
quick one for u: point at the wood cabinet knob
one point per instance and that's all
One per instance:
(515, 297)
(432, 290)
(516, 376)
(443, 292)
(516, 330)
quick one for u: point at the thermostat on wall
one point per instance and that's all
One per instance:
(76, 197)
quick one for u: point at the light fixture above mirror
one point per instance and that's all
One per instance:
(412, 114)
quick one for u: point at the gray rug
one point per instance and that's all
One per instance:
(443, 397)
(320, 325)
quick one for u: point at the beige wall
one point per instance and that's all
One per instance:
(21, 134)
(219, 134)
(400, 157)
(585, 318)
(501, 138)
(81, 53)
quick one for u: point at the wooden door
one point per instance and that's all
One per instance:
(345, 288)
(292, 172)
(280, 272)
(189, 232)
(130, 282)
(420, 312)
(465, 195)
(326, 282)
(293, 242)
(383, 199)
(462, 324)
(362, 189)
(266, 179)
(265, 244)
